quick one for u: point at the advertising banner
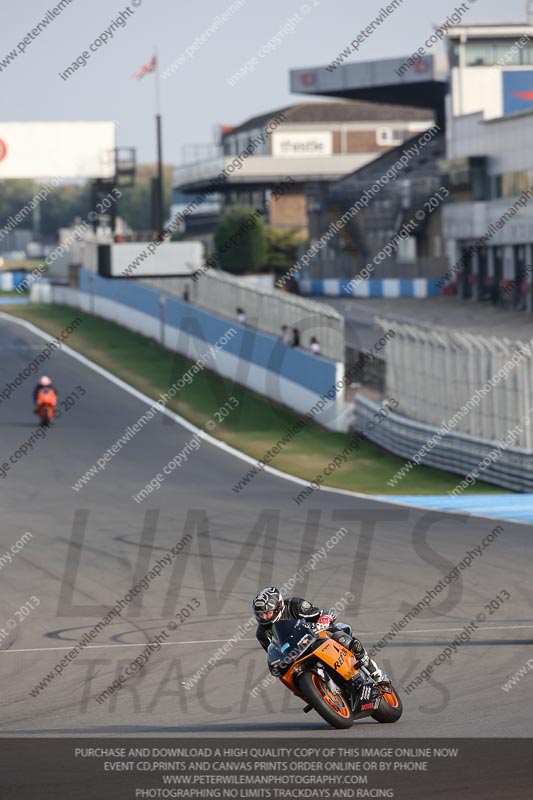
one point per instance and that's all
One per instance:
(517, 91)
(66, 150)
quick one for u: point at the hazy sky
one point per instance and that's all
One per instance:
(197, 96)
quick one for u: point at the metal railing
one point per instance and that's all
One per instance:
(372, 375)
(266, 310)
(437, 374)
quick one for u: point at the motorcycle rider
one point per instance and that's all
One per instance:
(269, 606)
(44, 383)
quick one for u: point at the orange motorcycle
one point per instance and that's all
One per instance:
(46, 405)
(327, 676)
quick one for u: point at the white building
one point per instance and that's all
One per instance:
(489, 226)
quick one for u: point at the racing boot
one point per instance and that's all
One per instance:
(360, 653)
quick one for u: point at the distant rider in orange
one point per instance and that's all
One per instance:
(44, 392)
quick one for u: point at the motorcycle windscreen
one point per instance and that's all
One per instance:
(290, 639)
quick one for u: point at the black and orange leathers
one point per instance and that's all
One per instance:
(295, 608)
(38, 387)
(46, 401)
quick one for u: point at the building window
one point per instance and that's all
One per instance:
(504, 52)
(480, 54)
(514, 184)
(243, 142)
(526, 55)
(390, 136)
(230, 146)
(467, 178)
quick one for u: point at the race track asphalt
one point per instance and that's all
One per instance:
(89, 547)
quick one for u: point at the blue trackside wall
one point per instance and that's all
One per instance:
(292, 376)
(248, 344)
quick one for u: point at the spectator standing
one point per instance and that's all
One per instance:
(241, 316)
(295, 338)
(315, 346)
(185, 296)
(285, 337)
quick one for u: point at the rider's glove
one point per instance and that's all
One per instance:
(274, 670)
(324, 622)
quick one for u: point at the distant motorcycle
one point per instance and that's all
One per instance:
(46, 405)
(328, 677)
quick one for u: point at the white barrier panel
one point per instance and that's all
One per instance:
(169, 258)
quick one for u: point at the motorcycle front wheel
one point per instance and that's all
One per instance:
(390, 709)
(331, 706)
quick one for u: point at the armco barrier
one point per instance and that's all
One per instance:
(373, 287)
(455, 452)
(266, 309)
(291, 376)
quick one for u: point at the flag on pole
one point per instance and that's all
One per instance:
(151, 66)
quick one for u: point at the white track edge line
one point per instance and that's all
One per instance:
(218, 641)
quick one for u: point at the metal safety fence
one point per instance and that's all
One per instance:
(372, 375)
(264, 309)
(459, 382)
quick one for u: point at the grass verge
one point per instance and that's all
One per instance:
(254, 427)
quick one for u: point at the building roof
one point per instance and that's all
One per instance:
(341, 111)
(493, 25)
(489, 30)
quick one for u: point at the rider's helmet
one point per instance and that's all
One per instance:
(268, 605)
(44, 380)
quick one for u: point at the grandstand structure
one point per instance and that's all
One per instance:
(481, 91)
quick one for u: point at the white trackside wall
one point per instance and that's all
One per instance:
(290, 376)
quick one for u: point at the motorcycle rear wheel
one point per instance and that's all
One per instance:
(333, 708)
(390, 709)
(46, 415)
